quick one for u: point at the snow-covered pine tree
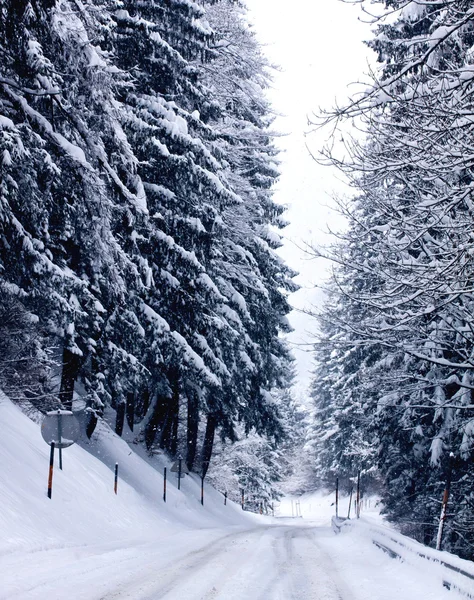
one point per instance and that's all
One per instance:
(57, 246)
(138, 202)
(342, 438)
(195, 194)
(415, 171)
(247, 269)
(184, 195)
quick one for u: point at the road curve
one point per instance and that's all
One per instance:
(265, 563)
(270, 562)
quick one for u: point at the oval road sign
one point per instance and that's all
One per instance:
(60, 427)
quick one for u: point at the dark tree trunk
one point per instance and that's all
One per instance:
(91, 410)
(167, 425)
(169, 434)
(173, 447)
(192, 429)
(120, 417)
(142, 404)
(208, 443)
(91, 423)
(156, 421)
(70, 372)
(130, 410)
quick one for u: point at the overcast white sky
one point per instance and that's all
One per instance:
(319, 47)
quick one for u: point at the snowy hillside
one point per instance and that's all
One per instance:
(84, 508)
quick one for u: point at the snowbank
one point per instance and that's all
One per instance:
(84, 508)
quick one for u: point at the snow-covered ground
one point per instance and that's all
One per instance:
(319, 507)
(87, 543)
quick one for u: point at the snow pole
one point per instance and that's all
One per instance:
(202, 490)
(350, 502)
(116, 478)
(358, 496)
(180, 460)
(225, 498)
(242, 498)
(337, 497)
(444, 507)
(164, 485)
(51, 467)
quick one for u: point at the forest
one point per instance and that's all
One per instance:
(138, 267)
(393, 385)
(140, 280)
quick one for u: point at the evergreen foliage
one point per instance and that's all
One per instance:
(136, 215)
(394, 375)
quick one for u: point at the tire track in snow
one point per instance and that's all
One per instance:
(189, 571)
(264, 563)
(268, 563)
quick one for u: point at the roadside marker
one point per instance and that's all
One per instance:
(51, 467)
(116, 478)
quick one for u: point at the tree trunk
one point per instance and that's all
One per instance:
(169, 434)
(120, 417)
(142, 404)
(156, 420)
(70, 372)
(130, 409)
(192, 429)
(173, 446)
(91, 423)
(208, 443)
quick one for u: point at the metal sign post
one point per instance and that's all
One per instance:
(181, 469)
(60, 429)
(60, 435)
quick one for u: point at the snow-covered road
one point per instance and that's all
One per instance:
(268, 563)
(295, 560)
(265, 563)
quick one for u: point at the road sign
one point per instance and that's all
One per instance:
(60, 427)
(184, 468)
